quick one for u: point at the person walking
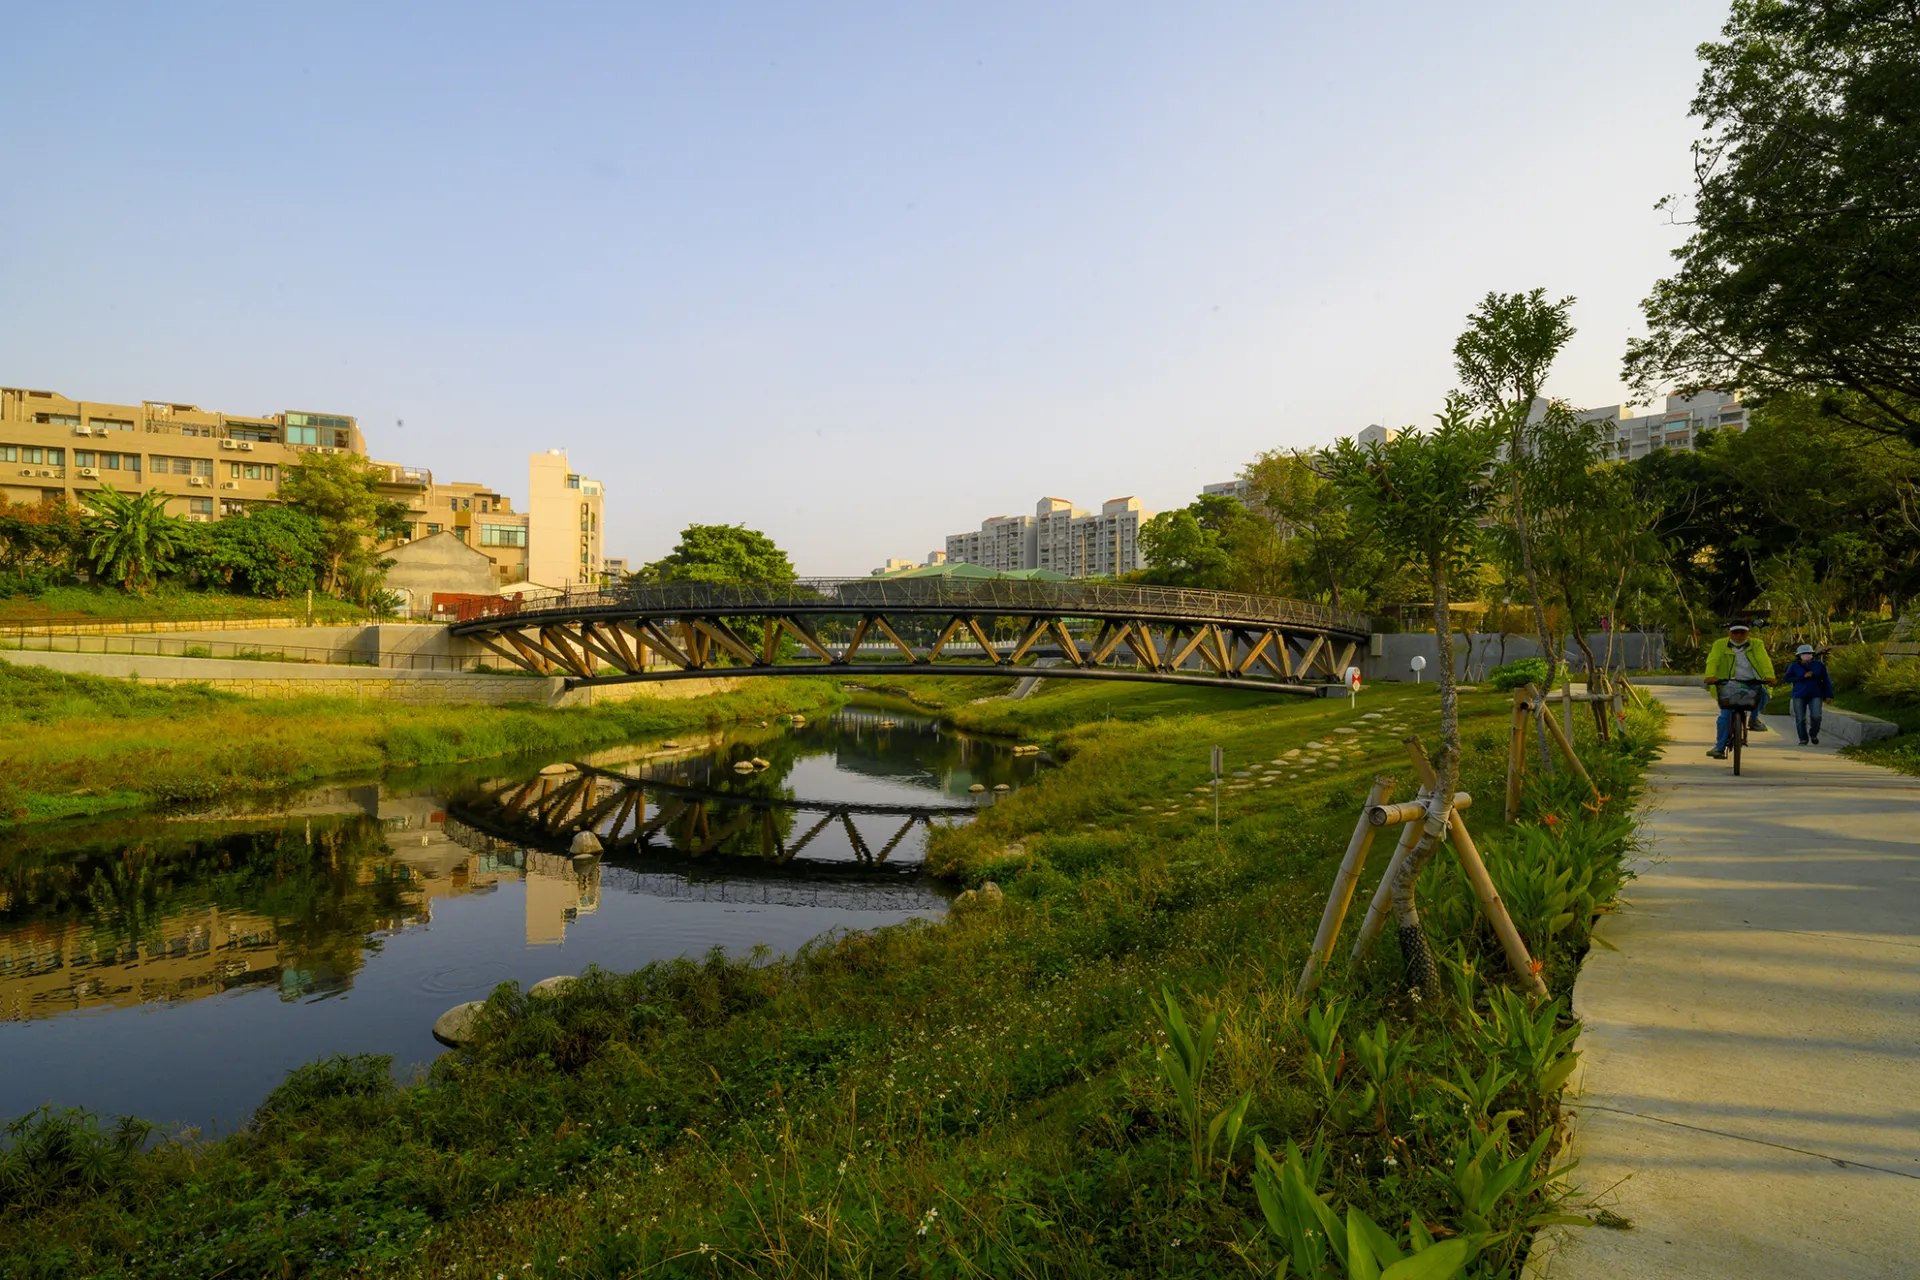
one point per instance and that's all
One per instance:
(1812, 686)
(1738, 659)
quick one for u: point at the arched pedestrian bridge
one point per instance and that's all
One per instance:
(936, 626)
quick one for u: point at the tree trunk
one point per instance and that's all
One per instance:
(1422, 978)
(1525, 536)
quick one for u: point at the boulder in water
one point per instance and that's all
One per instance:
(584, 842)
(455, 1026)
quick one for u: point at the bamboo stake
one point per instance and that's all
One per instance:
(1343, 886)
(1378, 909)
(1516, 755)
(1566, 749)
(1382, 904)
(1392, 815)
(1492, 907)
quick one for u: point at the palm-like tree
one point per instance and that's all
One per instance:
(132, 538)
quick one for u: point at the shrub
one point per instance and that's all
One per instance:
(1896, 682)
(1520, 672)
(1852, 665)
(49, 1154)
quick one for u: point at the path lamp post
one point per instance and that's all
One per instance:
(1418, 664)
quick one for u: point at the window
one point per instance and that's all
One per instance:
(119, 462)
(483, 506)
(233, 471)
(58, 419)
(503, 535)
(9, 453)
(317, 420)
(432, 529)
(573, 482)
(302, 435)
(44, 457)
(453, 504)
(200, 506)
(111, 424)
(460, 534)
(82, 458)
(256, 470)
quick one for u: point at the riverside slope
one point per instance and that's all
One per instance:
(1749, 1099)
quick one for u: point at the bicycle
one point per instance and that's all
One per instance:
(1740, 697)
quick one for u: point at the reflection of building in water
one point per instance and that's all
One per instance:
(558, 894)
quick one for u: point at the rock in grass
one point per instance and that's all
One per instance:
(553, 986)
(1344, 729)
(455, 1026)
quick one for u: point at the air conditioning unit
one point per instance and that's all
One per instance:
(89, 472)
(245, 446)
(229, 444)
(45, 472)
(26, 471)
(198, 482)
(229, 484)
(83, 431)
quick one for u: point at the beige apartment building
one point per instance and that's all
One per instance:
(565, 512)
(1058, 537)
(484, 519)
(209, 464)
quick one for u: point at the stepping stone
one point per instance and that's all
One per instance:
(1241, 773)
(1291, 754)
(552, 986)
(1373, 715)
(1344, 729)
(455, 1026)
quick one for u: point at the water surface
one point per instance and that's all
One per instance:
(176, 967)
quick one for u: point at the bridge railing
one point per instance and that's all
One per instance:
(979, 595)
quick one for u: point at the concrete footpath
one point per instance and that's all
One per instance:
(1749, 1093)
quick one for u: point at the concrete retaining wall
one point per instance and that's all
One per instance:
(386, 684)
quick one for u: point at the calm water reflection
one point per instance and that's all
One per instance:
(178, 968)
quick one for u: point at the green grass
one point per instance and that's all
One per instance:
(105, 603)
(981, 1097)
(77, 746)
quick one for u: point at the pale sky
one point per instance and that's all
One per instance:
(857, 275)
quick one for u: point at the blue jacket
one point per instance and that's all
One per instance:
(1810, 679)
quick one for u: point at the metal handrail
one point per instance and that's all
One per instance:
(983, 595)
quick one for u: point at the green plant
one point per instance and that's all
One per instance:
(1484, 1176)
(130, 537)
(1851, 666)
(49, 1154)
(1325, 1053)
(1539, 1052)
(1385, 1059)
(1316, 1243)
(1896, 682)
(1183, 1061)
(1518, 673)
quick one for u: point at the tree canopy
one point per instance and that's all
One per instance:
(130, 537)
(341, 492)
(720, 553)
(1802, 271)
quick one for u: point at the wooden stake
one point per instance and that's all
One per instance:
(1492, 907)
(1382, 904)
(1343, 886)
(1566, 749)
(1392, 815)
(1516, 756)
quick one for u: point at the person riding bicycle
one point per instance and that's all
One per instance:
(1741, 659)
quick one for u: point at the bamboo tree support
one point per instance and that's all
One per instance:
(1476, 872)
(1516, 755)
(1560, 739)
(1343, 886)
(1376, 917)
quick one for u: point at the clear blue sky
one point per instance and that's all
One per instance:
(856, 275)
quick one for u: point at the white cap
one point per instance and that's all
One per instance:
(1805, 648)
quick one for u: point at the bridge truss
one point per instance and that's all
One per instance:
(953, 626)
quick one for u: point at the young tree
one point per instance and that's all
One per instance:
(1804, 260)
(130, 537)
(39, 541)
(720, 553)
(1502, 358)
(341, 491)
(1328, 554)
(1426, 495)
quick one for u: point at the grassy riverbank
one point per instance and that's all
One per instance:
(975, 1098)
(101, 603)
(74, 746)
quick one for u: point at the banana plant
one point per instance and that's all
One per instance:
(1317, 1244)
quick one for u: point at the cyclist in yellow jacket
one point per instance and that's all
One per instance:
(1740, 658)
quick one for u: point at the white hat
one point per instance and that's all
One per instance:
(1805, 648)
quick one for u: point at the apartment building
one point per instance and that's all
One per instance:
(565, 513)
(1058, 537)
(484, 519)
(209, 464)
(1678, 426)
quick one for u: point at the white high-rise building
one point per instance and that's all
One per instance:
(1058, 537)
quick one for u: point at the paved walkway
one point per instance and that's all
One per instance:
(1749, 1097)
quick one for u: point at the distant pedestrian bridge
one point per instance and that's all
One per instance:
(929, 626)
